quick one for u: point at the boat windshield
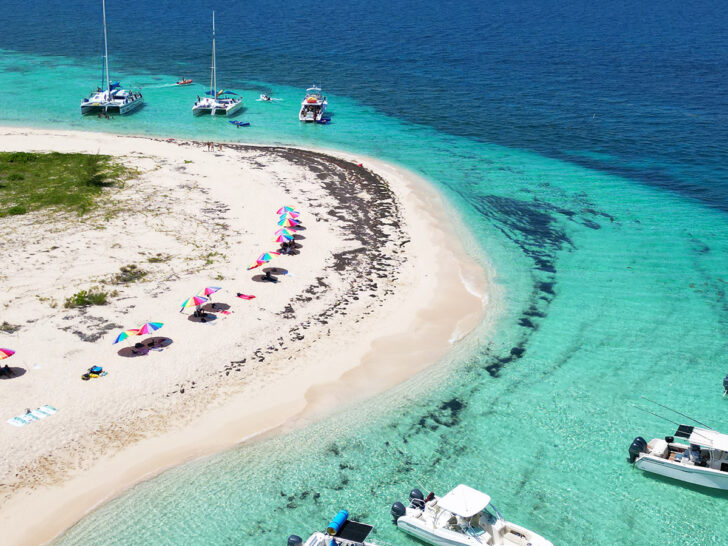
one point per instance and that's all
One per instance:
(313, 91)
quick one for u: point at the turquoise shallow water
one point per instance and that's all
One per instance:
(613, 289)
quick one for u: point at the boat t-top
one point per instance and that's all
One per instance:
(464, 516)
(341, 531)
(313, 106)
(110, 97)
(216, 102)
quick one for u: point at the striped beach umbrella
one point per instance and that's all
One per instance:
(125, 334)
(208, 290)
(264, 258)
(6, 353)
(284, 231)
(149, 327)
(287, 222)
(194, 301)
(290, 214)
(285, 209)
(283, 239)
(254, 265)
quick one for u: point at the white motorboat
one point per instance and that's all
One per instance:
(703, 460)
(341, 531)
(265, 97)
(110, 98)
(464, 516)
(217, 102)
(313, 106)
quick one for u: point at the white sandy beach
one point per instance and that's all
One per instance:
(374, 296)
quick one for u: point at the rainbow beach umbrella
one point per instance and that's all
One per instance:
(194, 301)
(254, 265)
(285, 209)
(290, 214)
(283, 239)
(208, 290)
(287, 222)
(149, 327)
(264, 258)
(6, 353)
(284, 231)
(125, 334)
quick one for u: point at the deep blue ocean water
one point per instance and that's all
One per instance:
(583, 145)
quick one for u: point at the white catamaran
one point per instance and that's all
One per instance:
(110, 97)
(217, 102)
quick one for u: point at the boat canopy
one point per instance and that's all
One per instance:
(114, 85)
(464, 501)
(313, 91)
(709, 438)
(221, 92)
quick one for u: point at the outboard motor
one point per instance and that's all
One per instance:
(417, 499)
(670, 439)
(639, 445)
(295, 540)
(398, 510)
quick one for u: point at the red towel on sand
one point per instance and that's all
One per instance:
(245, 296)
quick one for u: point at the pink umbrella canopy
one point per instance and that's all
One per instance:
(6, 353)
(193, 301)
(208, 290)
(286, 209)
(149, 327)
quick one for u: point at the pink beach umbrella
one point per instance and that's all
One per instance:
(6, 353)
(194, 301)
(149, 327)
(209, 290)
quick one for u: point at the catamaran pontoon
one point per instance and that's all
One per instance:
(313, 105)
(462, 517)
(110, 97)
(218, 102)
(341, 531)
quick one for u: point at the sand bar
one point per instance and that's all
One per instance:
(374, 294)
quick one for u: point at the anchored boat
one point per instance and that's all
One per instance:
(110, 98)
(701, 459)
(341, 531)
(217, 102)
(464, 516)
(313, 106)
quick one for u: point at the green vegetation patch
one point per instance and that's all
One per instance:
(71, 182)
(129, 274)
(84, 298)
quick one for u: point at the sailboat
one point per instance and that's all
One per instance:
(217, 102)
(110, 97)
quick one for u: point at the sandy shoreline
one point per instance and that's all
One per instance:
(374, 297)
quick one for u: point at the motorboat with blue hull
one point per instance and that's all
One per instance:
(463, 517)
(216, 102)
(701, 459)
(341, 531)
(110, 98)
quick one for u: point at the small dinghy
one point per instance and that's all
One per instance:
(240, 123)
(184, 82)
(341, 531)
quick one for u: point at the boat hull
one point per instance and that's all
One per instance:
(445, 537)
(217, 111)
(111, 107)
(698, 475)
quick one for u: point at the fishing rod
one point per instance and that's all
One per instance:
(668, 420)
(656, 415)
(675, 411)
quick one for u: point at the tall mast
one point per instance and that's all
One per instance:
(106, 49)
(214, 60)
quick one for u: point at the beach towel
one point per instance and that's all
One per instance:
(246, 296)
(35, 415)
(225, 312)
